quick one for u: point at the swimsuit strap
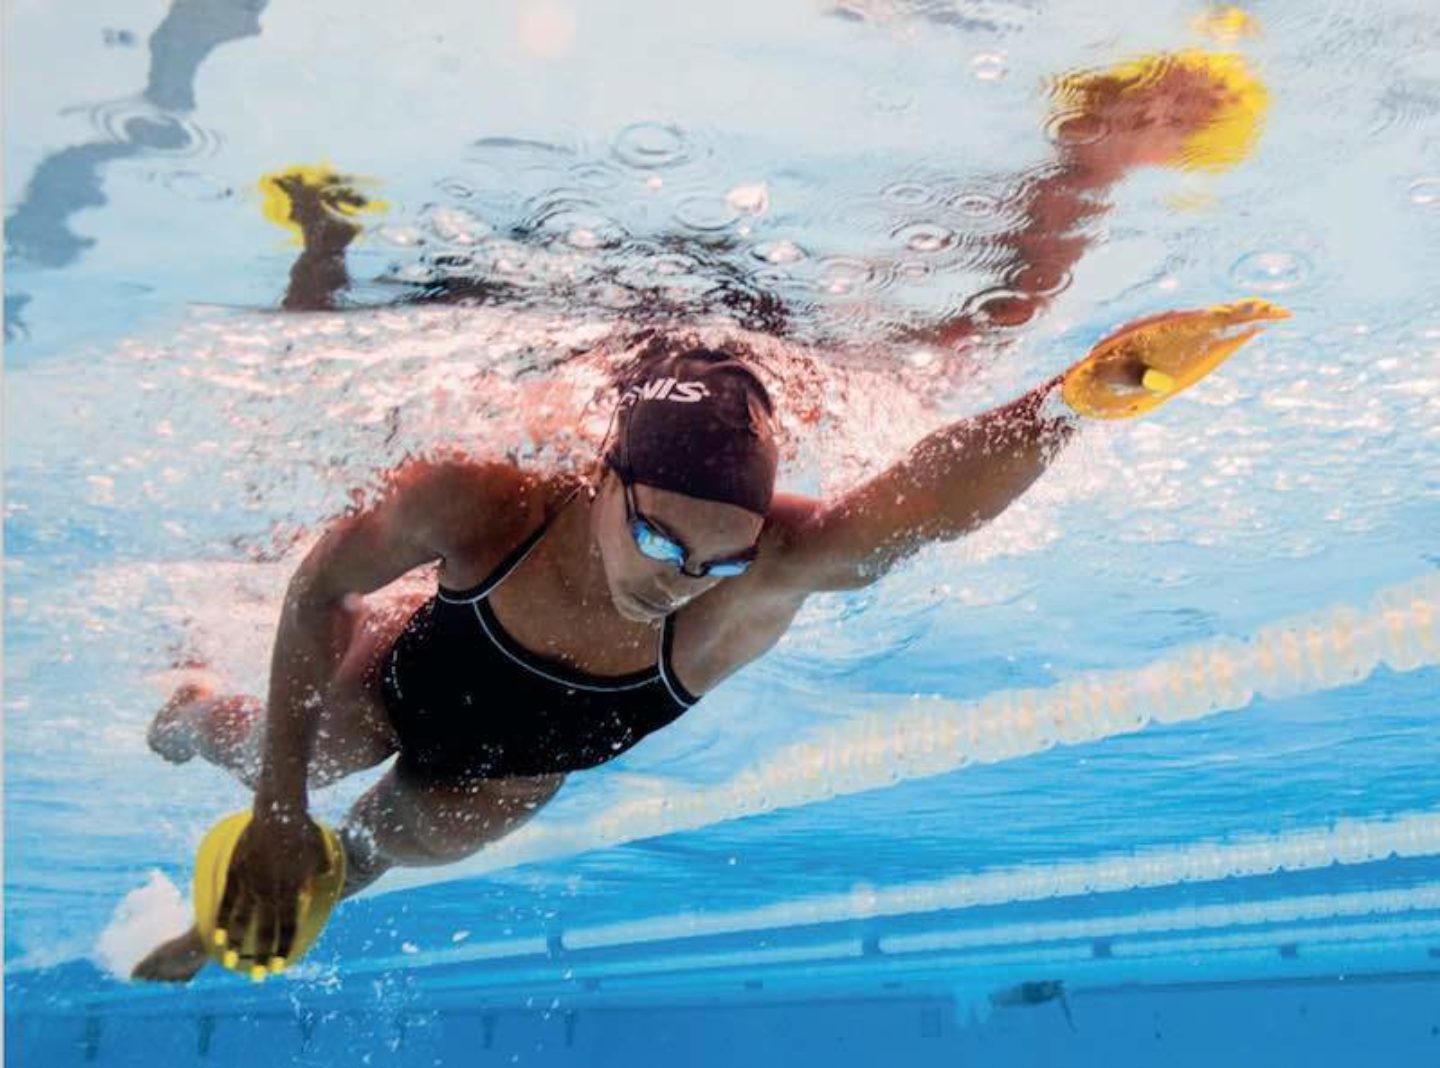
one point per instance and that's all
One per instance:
(512, 560)
(666, 666)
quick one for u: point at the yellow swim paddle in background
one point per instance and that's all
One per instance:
(245, 952)
(1226, 24)
(1144, 364)
(1192, 109)
(303, 196)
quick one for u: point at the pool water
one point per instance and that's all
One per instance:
(1143, 771)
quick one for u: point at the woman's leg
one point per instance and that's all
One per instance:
(354, 731)
(399, 822)
(395, 823)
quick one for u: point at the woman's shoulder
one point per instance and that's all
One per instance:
(445, 473)
(477, 501)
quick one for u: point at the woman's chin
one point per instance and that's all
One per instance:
(637, 611)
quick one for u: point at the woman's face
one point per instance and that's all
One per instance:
(647, 590)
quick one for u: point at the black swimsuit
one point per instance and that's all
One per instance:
(468, 701)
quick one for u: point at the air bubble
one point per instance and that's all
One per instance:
(1069, 129)
(405, 236)
(988, 66)
(975, 205)
(1038, 279)
(457, 226)
(926, 237)
(1425, 193)
(908, 194)
(651, 145)
(779, 252)
(577, 220)
(751, 199)
(455, 188)
(595, 176)
(589, 237)
(841, 276)
(1270, 272)
(1001, 307)
(705, 212)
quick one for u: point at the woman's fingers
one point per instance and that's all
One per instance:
(257, 922)
(264, 927)
(232, 926)
(285, 931)
(236, 914)
(225, 914)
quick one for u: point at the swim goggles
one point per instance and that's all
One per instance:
(655, 542)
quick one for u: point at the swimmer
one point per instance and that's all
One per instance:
(576, 614)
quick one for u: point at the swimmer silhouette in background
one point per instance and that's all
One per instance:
(1035, 992)
(576, 614)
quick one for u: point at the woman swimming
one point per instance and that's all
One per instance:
(576, 614)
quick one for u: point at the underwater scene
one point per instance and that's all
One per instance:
(837, 532)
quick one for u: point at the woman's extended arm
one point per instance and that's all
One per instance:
(1166, 110)
(956, 479)
(358, 554)
(1038, 254)
(963, 475)
(424, 509)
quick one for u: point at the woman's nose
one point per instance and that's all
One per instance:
(678, 586)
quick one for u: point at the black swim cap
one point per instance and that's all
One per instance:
(695, 421)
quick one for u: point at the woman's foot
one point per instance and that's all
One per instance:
(176, 961)
(173, 733)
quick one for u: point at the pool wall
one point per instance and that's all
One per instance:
(1262, 1024)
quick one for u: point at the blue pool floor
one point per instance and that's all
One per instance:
(1324, 1021)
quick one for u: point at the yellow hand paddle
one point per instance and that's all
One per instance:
(1144, 364)
(315, 902)
(287, 193)
(1214, 93)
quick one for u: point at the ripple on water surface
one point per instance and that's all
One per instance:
(908, 194)
(652, 146)
(925, 237)
(135, 122)
(706, 212)
(1271, 271)
(196, 185)
(1425, 193)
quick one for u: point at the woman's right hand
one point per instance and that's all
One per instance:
(1189, 109)
(275, 856)
(1145, 363)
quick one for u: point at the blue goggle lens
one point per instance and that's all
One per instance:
(727, 568)
(657, 546)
